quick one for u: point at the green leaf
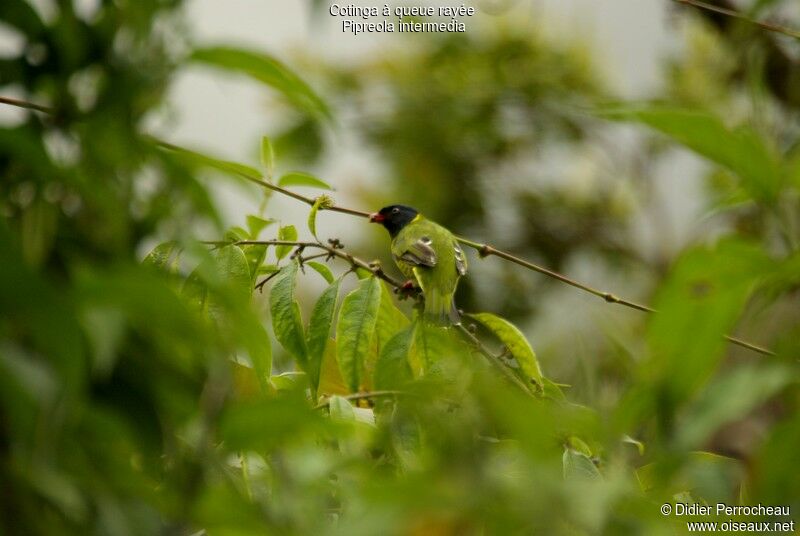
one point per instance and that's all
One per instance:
(742, 151)
(161, 257)
(286, 320)
(321, 269)
(391, 320)
(732, 397)
(267, 156)
(255, 254)
(297, 178)
(432, 345)
(341, 409)
(289, 380)
(231, 168)
(267, 70)
(289, 233)
(256, 224)
(699, 302)
(515, 341)
(357, 319)
(268, 422)
(319, 331)
(578, 466)
(230, 271)
(312, 216)
(392, 370)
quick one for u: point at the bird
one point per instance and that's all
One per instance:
(428, 254)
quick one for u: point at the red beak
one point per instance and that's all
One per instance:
(376, 217)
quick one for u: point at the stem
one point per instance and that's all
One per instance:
(355, 262)
(735, 14)
(484, 250)
(493, 359)
(26, 105)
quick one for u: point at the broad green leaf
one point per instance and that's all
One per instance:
(577, 466)
(742, 151)
(267, 70)
(432, 345)
(355, 329)
(319, 331)
(267, 422)
(287, 232)
(163, 257)
(231, 271)
(235, 234)
(286, 321)
(699, 302)
(515, 341)
(392, 370)
(289, 380)
(341, 409)
(321, 269)
(226, 166)
(267, 156)
(256, 224)
(255, 254)
(391, 320)
(330, 378)
(732, 397)
(297, 178)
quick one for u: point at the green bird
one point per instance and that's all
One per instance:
(428, 255)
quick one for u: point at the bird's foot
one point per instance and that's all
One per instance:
(407, 290)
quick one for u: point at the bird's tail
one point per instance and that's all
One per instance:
(440, 309)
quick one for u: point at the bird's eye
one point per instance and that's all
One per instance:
(395, 211)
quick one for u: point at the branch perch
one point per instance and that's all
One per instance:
(483, 250)
(777, 28)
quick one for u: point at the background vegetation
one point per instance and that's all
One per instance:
(209, 387)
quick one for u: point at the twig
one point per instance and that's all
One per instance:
(355, 262)
(361, 396)
(737, 15)
(483, 249)
(26, 105)
(493, 359)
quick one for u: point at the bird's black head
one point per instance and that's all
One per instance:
(394, 217)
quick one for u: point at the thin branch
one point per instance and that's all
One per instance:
(772, 27)
(485, 250)
(493, 359)
(355, 262)
(482, 249)
(361, 396)
(26, 105)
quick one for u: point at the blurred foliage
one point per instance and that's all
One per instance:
(139, 396)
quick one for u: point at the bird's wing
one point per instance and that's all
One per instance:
(461, 260)
(420, 253)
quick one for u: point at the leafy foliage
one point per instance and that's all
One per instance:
(139, 394)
